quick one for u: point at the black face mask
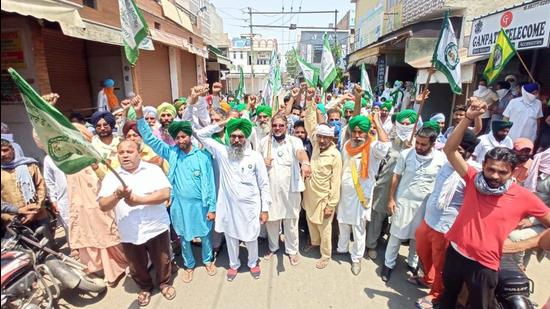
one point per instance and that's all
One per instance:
(279, 138)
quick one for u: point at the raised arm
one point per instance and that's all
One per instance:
(295, 95)
(310, 120)
(476, 109)
(158, 146)
(358, 93)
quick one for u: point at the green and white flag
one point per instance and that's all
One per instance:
(69, 150)
(239, 93)
(311, 73)
(365, 83)
(134, 29)
(328, 68)
(445, 58)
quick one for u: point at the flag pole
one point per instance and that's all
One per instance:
(135, 83)
(424, 94)
(115, 173)
(525, 67)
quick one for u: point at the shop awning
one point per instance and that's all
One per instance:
(365, 52)
(426, 62)
(177, 15)
(60, 11)
(467, 68)
(167, 38)
(216, 55)
(102, 33)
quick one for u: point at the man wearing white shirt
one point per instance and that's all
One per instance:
(283, 155)
(361, 156)
(525, 112)
(142, 219)
(498, 137)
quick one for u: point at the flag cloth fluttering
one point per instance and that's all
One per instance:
(365, 83)
(134, 29)
(241, 90)
(62, 141)
(503, 51)
(445, 58)
(311, 73)
(328, 68)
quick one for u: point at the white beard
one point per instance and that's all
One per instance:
(236, 153)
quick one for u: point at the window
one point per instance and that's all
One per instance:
(89, 3)
(241, 55)
(191, 40)
(234, 55)
(157, 26)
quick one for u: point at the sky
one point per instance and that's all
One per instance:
(235, 17)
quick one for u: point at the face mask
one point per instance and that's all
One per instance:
(501, 93)
(527, 97)
(404, 132)
(481, 88)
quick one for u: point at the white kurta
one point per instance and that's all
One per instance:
(243, 191)
(417, 180)
(285, 189)
(350, 210)
(387, 125)
(488, 142)
(525, 117)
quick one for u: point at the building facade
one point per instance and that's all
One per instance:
(72, 53)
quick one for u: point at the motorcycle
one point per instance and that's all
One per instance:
(33, 275)
(514, 287)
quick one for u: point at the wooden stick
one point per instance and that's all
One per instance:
(135, 83)
(422, 103)
(115, 173)
(525, 67)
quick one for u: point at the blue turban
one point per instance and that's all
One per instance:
(531, 87)
(438, 117)
(150, 110)
(377, 103)
(109, 118)
(108, 83)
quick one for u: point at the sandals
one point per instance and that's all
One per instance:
(168, 292)
(187, 276)
(322, 263)
(294, 259)
(424, 303)
(210, 269)
(144, 298)
(269, 255)
(418, 281)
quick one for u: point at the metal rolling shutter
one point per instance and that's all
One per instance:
(154, 75)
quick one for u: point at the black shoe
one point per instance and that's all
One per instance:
(413, 271)
(386, 273)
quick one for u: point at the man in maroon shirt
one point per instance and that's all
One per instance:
(493, 206)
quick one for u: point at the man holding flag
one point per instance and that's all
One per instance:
(328, 68)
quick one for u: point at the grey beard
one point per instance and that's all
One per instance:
(355, 144)
(264, 129)
(236, 153)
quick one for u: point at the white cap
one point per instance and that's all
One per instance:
(324, 130)
(510, 77)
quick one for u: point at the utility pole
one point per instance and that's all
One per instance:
(251, 50)
(335, 29)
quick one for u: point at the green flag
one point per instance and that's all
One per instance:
(445, 58)
(239, 93)
(328, 68)
(365, 83)
(62, 141)
(134, 29)
(502, 53)
(311, 73)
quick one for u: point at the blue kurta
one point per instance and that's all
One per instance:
(192, 179)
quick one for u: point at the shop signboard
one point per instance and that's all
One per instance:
(527, 26)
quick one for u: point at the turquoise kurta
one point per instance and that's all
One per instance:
(192, 179)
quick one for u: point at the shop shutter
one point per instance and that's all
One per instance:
(188, 77)
(68, 71)
(154, 75)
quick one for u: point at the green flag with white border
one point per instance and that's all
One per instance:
(64, 143)
(134, 29)
(365, 83)
(445, 58)
(311, 73)
(328, 67)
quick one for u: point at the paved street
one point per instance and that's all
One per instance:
(284, 286)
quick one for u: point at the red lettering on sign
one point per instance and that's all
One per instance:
(506, 19)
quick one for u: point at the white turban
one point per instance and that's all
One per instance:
(324, 130)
